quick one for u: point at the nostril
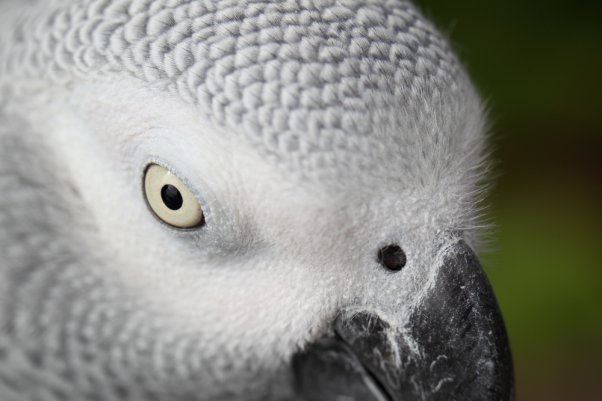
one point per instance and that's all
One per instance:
(392, 257)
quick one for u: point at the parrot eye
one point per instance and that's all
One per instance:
(392, 257)
(170, 199)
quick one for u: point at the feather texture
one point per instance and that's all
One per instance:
(335, 125)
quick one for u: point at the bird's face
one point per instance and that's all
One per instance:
(353, 287)
(276, 255)
(207, 262)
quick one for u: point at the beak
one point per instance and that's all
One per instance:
(454, 346)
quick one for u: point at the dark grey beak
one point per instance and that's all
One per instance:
(454, 347)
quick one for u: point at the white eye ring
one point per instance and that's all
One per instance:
(170, 199)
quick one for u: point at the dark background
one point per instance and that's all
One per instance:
(539, 66)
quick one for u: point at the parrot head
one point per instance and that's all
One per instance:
(241, 200)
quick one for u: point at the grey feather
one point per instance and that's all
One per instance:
(360, 97)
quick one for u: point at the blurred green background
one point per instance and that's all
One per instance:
(539, 66)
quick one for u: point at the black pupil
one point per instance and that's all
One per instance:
(392, 257)
(171, 197)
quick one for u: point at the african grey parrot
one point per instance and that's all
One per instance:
(240, 200)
